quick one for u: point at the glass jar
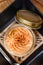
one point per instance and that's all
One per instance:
(19, 40)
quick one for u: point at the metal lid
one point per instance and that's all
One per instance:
(28, 18)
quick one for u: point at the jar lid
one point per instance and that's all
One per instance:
(28, 18)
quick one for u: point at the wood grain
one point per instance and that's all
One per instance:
(38, 5)
(4, 4)
(40, 1)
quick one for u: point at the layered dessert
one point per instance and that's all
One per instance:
(18, 41)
